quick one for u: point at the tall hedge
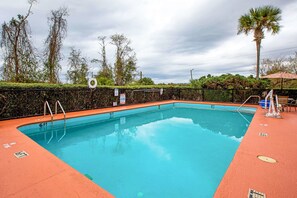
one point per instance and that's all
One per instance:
(27, 101)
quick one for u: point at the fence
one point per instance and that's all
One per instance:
(24, 102)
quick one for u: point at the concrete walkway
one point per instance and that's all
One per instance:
(41, 174)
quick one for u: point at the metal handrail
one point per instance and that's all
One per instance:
(49, 108)
(251, 96)
(56, 108)
(276, 101)
(272, 111)
(270, 93)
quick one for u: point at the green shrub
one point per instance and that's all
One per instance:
(145, 81)
(229, 81)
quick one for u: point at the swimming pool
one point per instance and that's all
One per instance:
(173, 150)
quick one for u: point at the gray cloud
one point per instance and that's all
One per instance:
(170, 37)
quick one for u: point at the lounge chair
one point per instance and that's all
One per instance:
(293, 104)
(283, 101)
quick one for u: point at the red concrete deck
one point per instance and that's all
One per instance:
(41, 174)
(247, 171)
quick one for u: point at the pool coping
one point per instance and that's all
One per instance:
(27, 177)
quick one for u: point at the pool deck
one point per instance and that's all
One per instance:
(41, 174)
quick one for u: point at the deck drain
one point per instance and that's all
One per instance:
(263, 134)
(264, 125)
(255, 194)
(21, 154)
(266, 159)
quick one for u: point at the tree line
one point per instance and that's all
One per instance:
(23, 63)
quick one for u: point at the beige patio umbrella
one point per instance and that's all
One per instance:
(282, 76)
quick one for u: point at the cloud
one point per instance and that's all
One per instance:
(170, 37)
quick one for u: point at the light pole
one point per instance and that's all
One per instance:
(191, 72)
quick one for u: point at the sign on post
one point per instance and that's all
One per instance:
(116, 92)
(122, 99)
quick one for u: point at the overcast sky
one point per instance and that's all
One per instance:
(170, 37)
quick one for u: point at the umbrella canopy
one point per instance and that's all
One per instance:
(282, 76)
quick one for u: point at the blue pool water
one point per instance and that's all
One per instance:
(168, 151)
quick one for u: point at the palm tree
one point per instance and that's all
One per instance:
(256, 21)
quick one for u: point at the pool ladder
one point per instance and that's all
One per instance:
(47, 106)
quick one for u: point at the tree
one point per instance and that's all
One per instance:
(52, 54)
(101, 80)
(270, 66)
(20, 62)
(257, 21)
(78, 67)
(105, 69)
(228, 81)
(279, 64)
(145, 81)
(125, 63)
(130, 69)
(293, 63)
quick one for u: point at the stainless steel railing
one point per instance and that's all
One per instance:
(56, 108)
(251, 96)
(46, 105)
